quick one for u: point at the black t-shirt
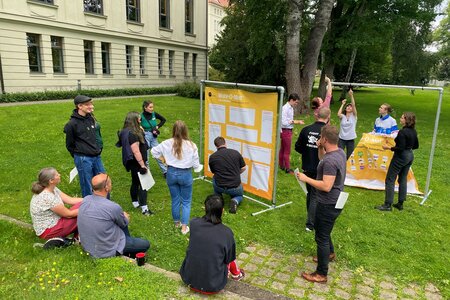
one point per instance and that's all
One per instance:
(211, 248)
(307, 147)
(133, 164)
(226, 164)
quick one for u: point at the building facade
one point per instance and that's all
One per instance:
(216, 12)
(101, 44)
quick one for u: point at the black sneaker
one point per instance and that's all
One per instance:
(147, 212)
(233, 207)
(289, 171)
(54, 243)
(383, 208)
(398, 206)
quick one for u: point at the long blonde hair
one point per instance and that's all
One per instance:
(179, 133)
(44, 177)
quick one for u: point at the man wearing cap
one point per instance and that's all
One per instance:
(103, 225)
(84, 142)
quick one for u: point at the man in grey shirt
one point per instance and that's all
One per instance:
(329, 183)
(103, 225)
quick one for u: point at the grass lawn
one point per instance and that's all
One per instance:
(412, 245)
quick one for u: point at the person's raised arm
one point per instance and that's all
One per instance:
(339, 113)
(329, 87)
(352, 98)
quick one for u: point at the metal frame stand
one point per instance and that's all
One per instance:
(436, 122)
(280, 91)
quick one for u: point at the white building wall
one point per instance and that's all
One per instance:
(215, 15)
(68, 20)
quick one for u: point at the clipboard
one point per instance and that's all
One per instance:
(301, 183)
(147, 181)
(343, 196)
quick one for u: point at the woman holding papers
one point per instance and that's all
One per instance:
(347, 130)
(134, 158)
(51, 218)
(405, 142)
(180, 155)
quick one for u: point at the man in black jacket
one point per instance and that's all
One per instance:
(306, 145)
(84, 142)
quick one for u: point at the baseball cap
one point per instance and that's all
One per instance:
(81, 99)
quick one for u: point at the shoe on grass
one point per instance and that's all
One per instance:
(233, 207)
(314, 277)
(398, 206)
(383, 208)
(184, 232)
(147, 212)
(56, 242)
(238, 277)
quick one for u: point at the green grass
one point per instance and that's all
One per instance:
(411, 245)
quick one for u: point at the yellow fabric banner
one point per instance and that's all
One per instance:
(248, 122)
(367, 166)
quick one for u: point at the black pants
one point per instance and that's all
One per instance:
(136, 191)
(349, 144)
(399, 166)
(310, 201)
(326, 216)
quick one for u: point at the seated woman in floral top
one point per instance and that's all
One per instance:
(50, 217)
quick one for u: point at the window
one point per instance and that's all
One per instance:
(93, 6)
(45, 1)
(171, 58)
(106, 69)
(142, 52)
(164, 14)
(194, 64)
(129, 59)
(88, 57)
(186, 60)
(133, 10)
(57, 54)
(188, 24)
(160, 61)
(34, 52)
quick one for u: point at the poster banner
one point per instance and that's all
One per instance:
(248, 122)
(367, 166)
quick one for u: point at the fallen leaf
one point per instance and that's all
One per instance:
(119, 279)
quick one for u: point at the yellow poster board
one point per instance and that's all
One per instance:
(367, 166)
(248, 122)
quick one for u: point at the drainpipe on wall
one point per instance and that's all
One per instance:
(2, 83)
(207, 59)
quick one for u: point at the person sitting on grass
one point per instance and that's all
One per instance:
(52, 220)
(211, 253)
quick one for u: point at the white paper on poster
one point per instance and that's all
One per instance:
(256, 153)
(244, 176)
(146, 180)
(214, 131)
(343, 196)
(260, 177)
(267, 126)
(234, 145)
(245, 116)
(301, 183)
(250, 135)
(217, 113)
(73, 173)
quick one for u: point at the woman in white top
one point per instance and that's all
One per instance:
(347, 130)
(50, 217)
(180, 154)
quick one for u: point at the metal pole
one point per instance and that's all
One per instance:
(202, 83)
(2, 83)
(277, 147)
(433, 146)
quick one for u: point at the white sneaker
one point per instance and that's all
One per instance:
(186, 231)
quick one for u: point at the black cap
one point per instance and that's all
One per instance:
(81, 99)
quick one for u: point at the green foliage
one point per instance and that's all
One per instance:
(188, 90)
(216, 75)
(57, 95)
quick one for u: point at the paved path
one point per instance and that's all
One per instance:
(271, 275)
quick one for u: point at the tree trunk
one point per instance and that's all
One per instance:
(313, 46)
(348, 76)
(293, 45)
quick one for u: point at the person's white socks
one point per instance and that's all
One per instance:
(135, 204)
(144, 208)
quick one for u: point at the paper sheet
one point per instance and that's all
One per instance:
(266, 130)
(343, 196)
(73, 174)
(260, 177)
(199, 168)
(146, 180)
(245, 116)
(244, 176)
(301, 183)
(255, 153)
(250, 135)
(216, 113)
(213, 132)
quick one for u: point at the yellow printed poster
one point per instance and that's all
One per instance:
(367, 166)
(248, 122)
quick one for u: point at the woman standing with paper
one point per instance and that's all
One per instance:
(134, 158)
(180, 155)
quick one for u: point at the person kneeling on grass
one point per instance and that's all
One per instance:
(211, 253)
(103, 225)
(52, 220)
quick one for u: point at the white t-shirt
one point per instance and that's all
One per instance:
(40, 209)
(189, 154)
(347, 130)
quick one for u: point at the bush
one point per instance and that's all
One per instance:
(57, 95)
(188, 90)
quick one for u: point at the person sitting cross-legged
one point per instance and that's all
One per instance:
(103, 225)
(211, 253)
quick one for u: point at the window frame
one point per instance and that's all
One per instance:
(129, 59)
(160, 61)
(186, 64)
(164, 16)
(106, 64)
(171, 61)
(89, 54)
(137, 10)
(36, 46)
(194, 65)
(142, 60)
(189, 16)
(57, 50)
(97, 3)
(50, 2)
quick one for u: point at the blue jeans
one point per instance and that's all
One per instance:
(153, 142)
(88, 167)
(134, 245)
(180, 187)
(236, 194)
